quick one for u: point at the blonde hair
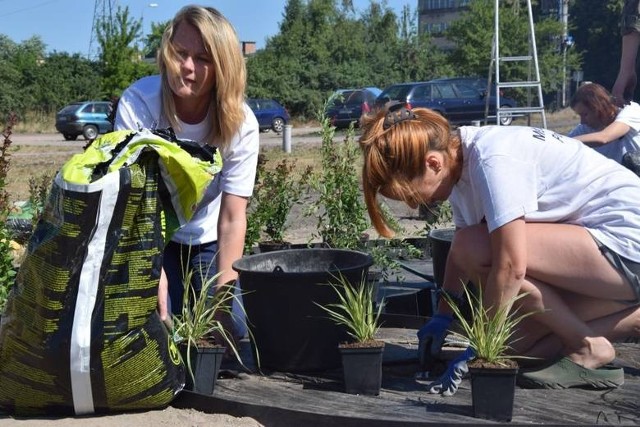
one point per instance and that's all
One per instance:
(395, 156)
(222, 45)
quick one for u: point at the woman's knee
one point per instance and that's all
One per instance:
(470, 249)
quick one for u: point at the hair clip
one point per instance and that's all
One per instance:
(396, 113)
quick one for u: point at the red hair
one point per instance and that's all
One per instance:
(597, 99)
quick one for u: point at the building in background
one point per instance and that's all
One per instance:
(436, 16)
(248, 48)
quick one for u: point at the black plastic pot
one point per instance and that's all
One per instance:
(205, 364)
(270, 246)
(440, 243)
(492, 392)
(290, 332)
(362, 369)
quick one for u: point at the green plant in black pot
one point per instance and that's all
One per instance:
(200, 333)
(362, 357)
(493, 370)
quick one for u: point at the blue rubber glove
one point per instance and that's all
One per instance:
(448, 383)
(431, 337)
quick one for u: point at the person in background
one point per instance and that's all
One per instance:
(609, 129)
(625, 84)
(200, 94)
(535, 212)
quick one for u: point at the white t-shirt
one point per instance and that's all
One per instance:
(140, 107)
(542, 176)
(629, 115)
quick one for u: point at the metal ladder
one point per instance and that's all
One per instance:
(531, 81)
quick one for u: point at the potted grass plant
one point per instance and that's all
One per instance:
(493, 371)
(362, 356)
(200, 334)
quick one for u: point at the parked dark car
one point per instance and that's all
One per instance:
(458, 101)
(87, 118)
(347, 105)
(270, 114)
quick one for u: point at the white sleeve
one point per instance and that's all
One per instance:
(133, 112)
(241, 159)
(507, 188)
(630, 115)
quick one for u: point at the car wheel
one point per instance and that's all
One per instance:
(69, 137)
(90, 132)
(277, 125)
(505, 120)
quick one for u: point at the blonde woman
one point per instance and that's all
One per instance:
(200, 94)
(535, 212)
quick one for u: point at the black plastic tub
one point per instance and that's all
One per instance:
(281, 289)
(440, 244)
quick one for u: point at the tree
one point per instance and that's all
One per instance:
(595, 29)
(11, 99)
(120, 59)
(473, 36)
(63, 79)
(324, 45)
(417, 58)
(153, 39)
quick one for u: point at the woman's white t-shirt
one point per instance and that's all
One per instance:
(140, 106)
(542, 176)
(629, 115)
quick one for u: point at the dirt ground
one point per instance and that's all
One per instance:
(165, 417)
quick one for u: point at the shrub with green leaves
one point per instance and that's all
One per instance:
(385, 256)
(340, 210)
(277, 192)
(442, 217)
(7, 270)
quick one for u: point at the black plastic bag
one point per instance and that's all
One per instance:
(80, 333)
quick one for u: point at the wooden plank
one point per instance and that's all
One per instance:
(295, 399)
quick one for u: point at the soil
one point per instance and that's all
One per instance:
(364, 344)
(483, 364)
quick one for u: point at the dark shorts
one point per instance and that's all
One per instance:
(630, 19)
(626, 267)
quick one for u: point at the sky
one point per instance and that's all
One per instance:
(65, 25)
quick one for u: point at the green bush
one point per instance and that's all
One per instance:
(340, 210)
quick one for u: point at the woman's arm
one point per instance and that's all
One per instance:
(232, 225)
(612, 132)
(625, 85)
(508, 263)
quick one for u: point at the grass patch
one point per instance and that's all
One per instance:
(36, 122)
(33, 161)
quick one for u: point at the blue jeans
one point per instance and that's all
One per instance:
(179, 259)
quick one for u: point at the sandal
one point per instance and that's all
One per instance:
(565, 373)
